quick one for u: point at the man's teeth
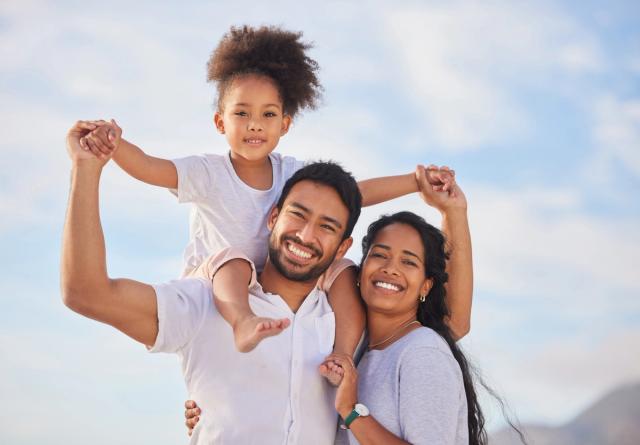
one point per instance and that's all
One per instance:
(389, 286)
(299, 252)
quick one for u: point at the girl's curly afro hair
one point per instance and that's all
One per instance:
(271, 52)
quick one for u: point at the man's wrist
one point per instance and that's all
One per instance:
(87, 163)
(87, 166)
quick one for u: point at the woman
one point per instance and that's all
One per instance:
(413, 384)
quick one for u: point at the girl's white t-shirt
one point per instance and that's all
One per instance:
(225, 211)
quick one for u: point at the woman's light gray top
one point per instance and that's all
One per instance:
(414, 389)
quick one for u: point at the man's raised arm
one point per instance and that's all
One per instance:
(127, 305)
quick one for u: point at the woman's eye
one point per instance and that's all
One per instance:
(410, 263)
(377, 255)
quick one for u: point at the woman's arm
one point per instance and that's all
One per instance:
(367, 429)
(455, 225)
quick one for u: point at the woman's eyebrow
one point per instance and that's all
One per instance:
(406, 252)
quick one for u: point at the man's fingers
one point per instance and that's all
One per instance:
(191, 423)
(85, 125)
(190, 404)
(191, 413)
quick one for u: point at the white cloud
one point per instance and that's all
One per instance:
(519, 233)
(462, 59)
(616, 133)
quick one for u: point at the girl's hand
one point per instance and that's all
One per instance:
(442, 179)
(347, 393)
(443, 200)
(192, 414)
(103, 140)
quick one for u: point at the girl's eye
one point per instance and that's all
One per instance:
(240, 113)
(270, 114)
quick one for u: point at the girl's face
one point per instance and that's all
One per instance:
(392, 276)
(252, 119)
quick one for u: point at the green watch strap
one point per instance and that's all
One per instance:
(350, 418)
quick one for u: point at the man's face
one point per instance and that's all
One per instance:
(306, 234)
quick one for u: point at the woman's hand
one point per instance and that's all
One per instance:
(347, 393)
(192, 414)
(440, 198)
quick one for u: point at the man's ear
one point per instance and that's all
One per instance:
(343, 247)
(286, 123)
(218, 122)
(272, 218)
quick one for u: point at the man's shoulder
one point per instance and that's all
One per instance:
(192, 288)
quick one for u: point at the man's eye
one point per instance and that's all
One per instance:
(328, 227)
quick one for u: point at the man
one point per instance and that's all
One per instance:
(273, 395)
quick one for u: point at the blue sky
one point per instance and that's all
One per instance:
(536, 105)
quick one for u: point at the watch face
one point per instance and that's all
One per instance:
(361, 409)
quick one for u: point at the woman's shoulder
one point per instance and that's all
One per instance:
(424, 340)
(425, 351)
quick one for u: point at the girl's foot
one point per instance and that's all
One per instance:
(250, 331)
(332, 372)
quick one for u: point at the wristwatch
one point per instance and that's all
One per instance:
(358, 411)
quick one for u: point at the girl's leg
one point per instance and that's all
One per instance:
(231, 297)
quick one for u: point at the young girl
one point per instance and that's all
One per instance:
(264, 78)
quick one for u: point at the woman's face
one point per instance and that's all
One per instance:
(392, 276)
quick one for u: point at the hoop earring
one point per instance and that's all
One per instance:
(423, 298)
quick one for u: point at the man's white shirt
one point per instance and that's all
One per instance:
(272, 395)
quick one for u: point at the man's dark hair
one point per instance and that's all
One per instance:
(334, 176)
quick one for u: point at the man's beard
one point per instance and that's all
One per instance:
(289, 273)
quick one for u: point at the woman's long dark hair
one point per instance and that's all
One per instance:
(433, 312)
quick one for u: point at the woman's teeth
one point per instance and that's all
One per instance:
(389, 286)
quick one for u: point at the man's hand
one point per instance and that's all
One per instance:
(445, 197)
(192, 415)
(103, 140)
(74, 148)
